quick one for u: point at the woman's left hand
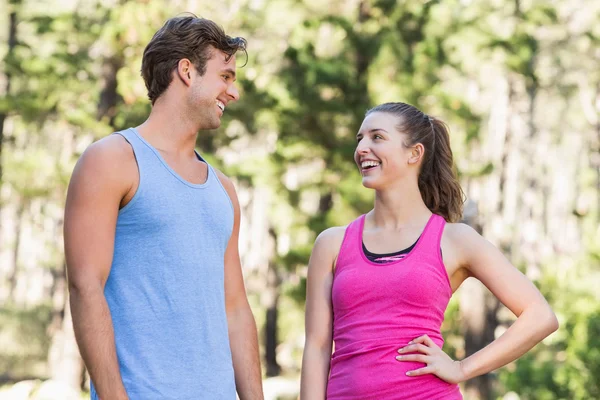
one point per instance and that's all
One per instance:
(438, 362)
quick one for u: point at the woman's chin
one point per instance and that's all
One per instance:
(370, 183)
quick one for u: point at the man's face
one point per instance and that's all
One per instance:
(212, 92)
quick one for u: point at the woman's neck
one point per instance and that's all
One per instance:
(399, 206)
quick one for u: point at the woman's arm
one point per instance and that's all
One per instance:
(535, 318)
(319, 315)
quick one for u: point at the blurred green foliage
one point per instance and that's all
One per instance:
(313, 70)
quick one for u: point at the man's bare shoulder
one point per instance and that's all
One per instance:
(109, 161)
(112, 150)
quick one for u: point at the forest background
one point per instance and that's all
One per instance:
(518, 81)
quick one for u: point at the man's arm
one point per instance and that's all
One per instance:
(95, 192)
(242, 328)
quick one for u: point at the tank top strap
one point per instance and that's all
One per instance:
(432, 235)
(349, 249)
(144, 154)
(132, 138)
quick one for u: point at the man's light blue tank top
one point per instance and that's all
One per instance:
(165, 290)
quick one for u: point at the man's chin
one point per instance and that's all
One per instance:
(207, 126)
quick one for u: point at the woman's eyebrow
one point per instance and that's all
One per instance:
(372, 131)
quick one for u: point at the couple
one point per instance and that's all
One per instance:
(156, 289)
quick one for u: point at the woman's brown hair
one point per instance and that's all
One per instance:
(438, 182)
(183, 37)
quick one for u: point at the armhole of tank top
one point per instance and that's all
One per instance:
(216, 177)
(342, 246)
(136, 195)
(440, 258)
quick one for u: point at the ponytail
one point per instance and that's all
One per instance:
(438, 182)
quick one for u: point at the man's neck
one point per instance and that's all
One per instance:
(168, 131)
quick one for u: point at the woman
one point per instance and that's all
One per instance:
(383, 306)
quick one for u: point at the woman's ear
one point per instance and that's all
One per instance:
(416, 154)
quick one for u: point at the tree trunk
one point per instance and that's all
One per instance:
(12, 42)
(258, 250)
(12, 280)
(109, 97)
(478, 309)
(595, 156)
(271, 301)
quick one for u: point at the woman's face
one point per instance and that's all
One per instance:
(381, 156)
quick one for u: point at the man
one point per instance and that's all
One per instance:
(151, 238)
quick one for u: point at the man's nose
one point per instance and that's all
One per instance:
(233, 92)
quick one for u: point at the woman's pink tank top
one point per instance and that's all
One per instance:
(379, 308)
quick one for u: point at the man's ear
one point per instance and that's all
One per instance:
(184, 71)
(416, 154)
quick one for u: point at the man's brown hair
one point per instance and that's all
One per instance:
(183, 37)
